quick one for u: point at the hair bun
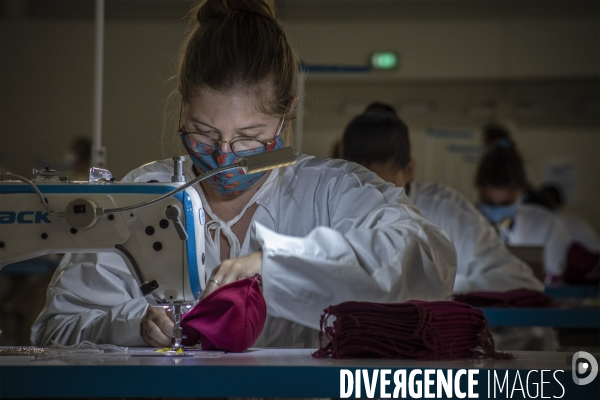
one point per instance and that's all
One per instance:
(210, 10)
(380, 110)
(494, 133)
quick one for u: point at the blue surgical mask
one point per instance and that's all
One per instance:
(232, 182)
(499, 214)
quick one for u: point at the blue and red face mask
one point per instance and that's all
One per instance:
(234, 181)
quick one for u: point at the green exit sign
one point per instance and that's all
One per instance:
(384, 60)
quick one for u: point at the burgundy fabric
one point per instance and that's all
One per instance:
(414, 329)
(511, 298)
(582, 266)
(231, 318)
(553, 280)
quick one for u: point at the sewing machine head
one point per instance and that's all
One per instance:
(162, 243)
(157, 228)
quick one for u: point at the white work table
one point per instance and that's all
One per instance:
(254, 373)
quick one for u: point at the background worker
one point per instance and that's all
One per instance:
(379, 140)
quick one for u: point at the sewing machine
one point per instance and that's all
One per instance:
(157, 228)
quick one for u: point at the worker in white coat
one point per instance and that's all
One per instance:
(320, 232)
(578, 228)
(501, 183)
(379, 140)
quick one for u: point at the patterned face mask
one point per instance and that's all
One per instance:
(234, 181)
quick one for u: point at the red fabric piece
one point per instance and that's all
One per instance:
(511, 298)
(582, 266)
(414, 329)
(231, 318)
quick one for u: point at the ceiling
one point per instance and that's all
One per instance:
(308, 10)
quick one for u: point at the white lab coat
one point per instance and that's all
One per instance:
(484, 263)
(580, 231)
(330, 231)
(534, 225)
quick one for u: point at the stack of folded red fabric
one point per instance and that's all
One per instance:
(414, 329)
(511, 298)
(583, 266)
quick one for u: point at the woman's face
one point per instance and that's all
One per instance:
(228, 115)
(499, 196)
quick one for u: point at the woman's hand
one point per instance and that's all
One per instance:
(234, 270)
(157, 327)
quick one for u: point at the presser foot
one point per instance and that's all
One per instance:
(177, 331)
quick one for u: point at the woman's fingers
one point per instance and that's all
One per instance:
(157, 327)
(152, 342)
(222, 275)
(211, 286)
(230, 271)
(154, 336)
(233, 270)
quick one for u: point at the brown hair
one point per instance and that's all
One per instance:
(236, 44)
(377, 136)
(501, 167)
(493, 133)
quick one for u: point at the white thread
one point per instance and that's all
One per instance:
(56, 350)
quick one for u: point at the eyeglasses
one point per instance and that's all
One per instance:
(203, 143)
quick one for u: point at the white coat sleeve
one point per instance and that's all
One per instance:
(91, 297)
(556, 248)
(484, 262)
(581, 232)
(373, 246)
